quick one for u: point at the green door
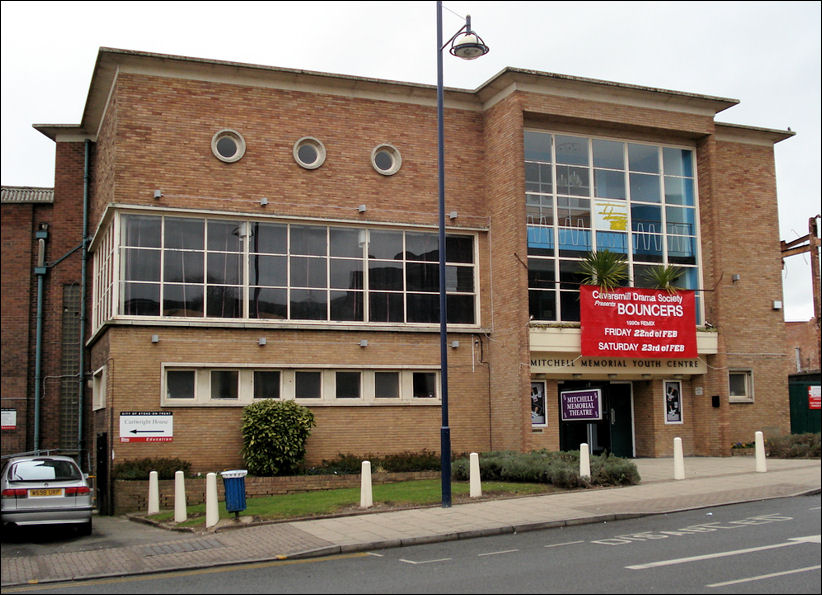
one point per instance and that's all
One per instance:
(619, 414)
(805, 417)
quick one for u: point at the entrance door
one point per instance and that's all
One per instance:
(619, 413)
(614, 433)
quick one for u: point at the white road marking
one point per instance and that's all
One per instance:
(497, 553)
(424, 561)
(764, 576)
(566, 543)
(791, 541)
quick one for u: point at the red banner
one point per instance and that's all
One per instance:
(636, 322)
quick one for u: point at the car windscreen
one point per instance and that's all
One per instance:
(44, 470)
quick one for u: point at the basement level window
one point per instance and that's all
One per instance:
(228, 145)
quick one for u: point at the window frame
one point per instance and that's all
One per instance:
(98, 388)
(145, 291)
(392, 152)
(317, 145)
(287, 376)
(747, 375)
(670, 417)
(235, 136)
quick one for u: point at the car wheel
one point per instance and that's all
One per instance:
(85, 528)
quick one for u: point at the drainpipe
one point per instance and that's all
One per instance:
(81, 376)
(41, 235)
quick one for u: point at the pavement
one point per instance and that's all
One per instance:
(123, 547)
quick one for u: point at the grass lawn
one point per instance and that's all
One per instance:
(385, 496)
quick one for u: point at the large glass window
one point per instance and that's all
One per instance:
(587, 194)
(188, 267)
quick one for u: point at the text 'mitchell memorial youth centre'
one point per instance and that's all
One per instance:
(256, 232)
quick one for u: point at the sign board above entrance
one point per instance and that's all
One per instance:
(561, 365)
(637, 323)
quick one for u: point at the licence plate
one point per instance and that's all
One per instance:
(45, 492)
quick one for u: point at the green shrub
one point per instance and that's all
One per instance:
(792, 446)
(610, 470)
(274, 436)
(140, 468)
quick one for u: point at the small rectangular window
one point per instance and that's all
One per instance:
(308, 385)
(740, 384)
(425, 385)
(348, 385)
(386, 385)
(180, 384)
(224, 384)
(266, 384)
(98, 389)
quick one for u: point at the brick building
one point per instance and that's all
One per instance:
(258, 232)
(803, 346)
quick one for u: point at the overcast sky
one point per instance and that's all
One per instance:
(765, 54)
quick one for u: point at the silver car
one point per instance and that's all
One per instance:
(45, 490)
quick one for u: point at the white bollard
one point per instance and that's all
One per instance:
(584, 461)
(761, 465)
(212, 505)
(679, 461)
(474, 476)
(366, 497)
(180, 514)
(153, 493)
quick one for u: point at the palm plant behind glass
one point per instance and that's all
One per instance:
(664, 276)
(605, 269)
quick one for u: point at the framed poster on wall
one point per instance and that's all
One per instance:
(538, 416)
(673, 402)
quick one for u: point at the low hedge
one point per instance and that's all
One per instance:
(793, 446)
(560, 469)
(140, 468)
(396, 463)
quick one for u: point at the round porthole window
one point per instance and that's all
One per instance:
(309, 152)
(228, 145)
(386, 159)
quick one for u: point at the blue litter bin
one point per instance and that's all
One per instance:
(234, 482)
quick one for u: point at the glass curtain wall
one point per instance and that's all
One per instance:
(588, 194)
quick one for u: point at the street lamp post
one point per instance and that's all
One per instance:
(467, 45)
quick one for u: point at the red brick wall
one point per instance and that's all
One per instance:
(20, 222)
(508, 349)
(163, 133)
(18, 284)
(753, 332)
(804, 336)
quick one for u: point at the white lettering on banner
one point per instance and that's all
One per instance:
(649, 310)
(619, 332)
(618, 346)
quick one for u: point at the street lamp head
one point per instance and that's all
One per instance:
(468, 46)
